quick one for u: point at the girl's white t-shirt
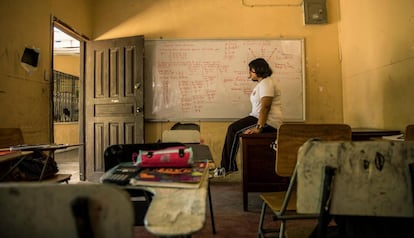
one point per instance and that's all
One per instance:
(267, 87)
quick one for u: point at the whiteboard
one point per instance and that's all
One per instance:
(208, 79)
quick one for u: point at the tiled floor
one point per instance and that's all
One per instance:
(68, 163)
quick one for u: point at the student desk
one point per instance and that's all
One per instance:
(16, 156)
(173, 211)
(18, 153)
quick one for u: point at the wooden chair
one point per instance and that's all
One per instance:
(291, 136)
(409, 132)
(39, 210)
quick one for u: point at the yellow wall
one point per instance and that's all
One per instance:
(69, 64)
(24, 97)
(231, 19)
(66, 133)
(377, 39)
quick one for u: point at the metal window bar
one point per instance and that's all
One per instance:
(65, 97)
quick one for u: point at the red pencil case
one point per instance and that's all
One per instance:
(179, 156)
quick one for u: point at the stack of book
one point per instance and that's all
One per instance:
(178, 177)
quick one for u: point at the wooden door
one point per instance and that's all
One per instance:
(114, 98)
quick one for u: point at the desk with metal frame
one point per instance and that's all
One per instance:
(176, 212)
(27, 149)
(173, 212)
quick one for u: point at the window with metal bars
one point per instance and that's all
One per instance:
(65, 97)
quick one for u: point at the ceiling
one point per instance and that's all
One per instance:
(64, 44)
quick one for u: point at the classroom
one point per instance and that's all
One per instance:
(357, 66)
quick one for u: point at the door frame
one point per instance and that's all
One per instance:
(66, 28)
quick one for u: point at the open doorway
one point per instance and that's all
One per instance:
(66, 87)
(67, 69)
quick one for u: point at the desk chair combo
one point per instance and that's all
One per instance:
(118, 153)
(188, 133)
(366, 186)
(141, 199)
(39, 210)
(291, 136)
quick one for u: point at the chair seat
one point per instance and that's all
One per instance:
(275, 199)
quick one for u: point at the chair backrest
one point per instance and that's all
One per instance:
(38, 210)
(183, 136)
(291, 136)
(409, 132)
(185, 126)
(182, 132)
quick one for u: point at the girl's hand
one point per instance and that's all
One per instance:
(252, 131)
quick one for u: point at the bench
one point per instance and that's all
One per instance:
(14, 136)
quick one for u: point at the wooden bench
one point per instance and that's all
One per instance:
(14, 136)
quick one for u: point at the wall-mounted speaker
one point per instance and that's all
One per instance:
(315, 11)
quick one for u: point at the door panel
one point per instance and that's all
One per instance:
(114, 98)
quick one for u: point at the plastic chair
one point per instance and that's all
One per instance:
(289, 139)
(39, 210)
(183, 132)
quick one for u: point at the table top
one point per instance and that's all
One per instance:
(176, 211)
(42, 147)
